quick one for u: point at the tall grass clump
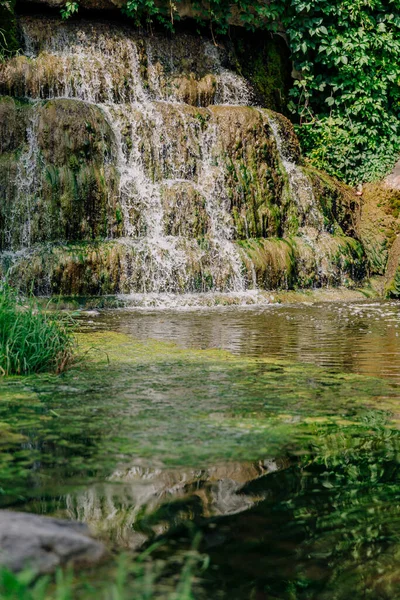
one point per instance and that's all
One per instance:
(32, 340)
(132, 578)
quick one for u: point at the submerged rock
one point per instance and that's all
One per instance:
(43, 544)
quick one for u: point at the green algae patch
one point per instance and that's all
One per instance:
(132, 401)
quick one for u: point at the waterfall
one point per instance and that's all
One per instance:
(102, 65)
(27, 191)
(300, 187)
(137, 165)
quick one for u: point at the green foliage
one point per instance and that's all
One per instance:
(32, 340)
(141, 578)
(9, 43)
(346, 98)
(69, 9)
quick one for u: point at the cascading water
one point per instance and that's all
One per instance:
(300, 187)
(27, 186)
(144, 169)
(105, 70)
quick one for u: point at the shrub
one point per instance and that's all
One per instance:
(32, 340)
(346, 97)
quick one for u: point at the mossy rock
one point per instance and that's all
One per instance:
(264, 59)
(300, 262)
(392, 274)
(270, 263)
(253, 175)
(73, 132)
(14, 117)
(378, 224)
(58, 181)
(185, 211)
(392, 289)
(338, 203)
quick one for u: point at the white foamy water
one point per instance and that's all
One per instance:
(103, 66)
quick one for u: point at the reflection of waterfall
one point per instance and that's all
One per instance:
(115, 510)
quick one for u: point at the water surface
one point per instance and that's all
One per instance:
(358, 337)
(272, 431)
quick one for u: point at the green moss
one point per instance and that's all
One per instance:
(337, 202)
(272, 262)
(392, 290)
(76, 187)
(264, 60)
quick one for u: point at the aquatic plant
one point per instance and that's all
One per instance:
(32, 340)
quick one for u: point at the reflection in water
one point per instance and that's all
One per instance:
(124, 513)
(163, 442)
(327, 527)
(360, 337)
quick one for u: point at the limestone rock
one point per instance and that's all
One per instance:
(393, 180)
(43, 543)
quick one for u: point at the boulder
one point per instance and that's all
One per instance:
(393, 180)
(43, 543)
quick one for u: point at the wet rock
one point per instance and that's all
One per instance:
(379, 224)
(44, 543)
(392, 181)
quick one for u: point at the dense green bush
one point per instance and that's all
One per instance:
(31, 339)
(348, 96)
(9, 43)
(346, 99)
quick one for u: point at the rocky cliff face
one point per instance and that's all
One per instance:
(141, 164)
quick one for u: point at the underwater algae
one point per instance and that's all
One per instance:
(151, 401)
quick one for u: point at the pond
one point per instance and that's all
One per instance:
(268, 434)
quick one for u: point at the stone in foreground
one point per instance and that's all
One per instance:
(43, 543)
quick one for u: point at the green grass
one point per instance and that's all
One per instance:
(32, 340)
(139, 578)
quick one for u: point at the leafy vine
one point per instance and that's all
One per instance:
(346, 97)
